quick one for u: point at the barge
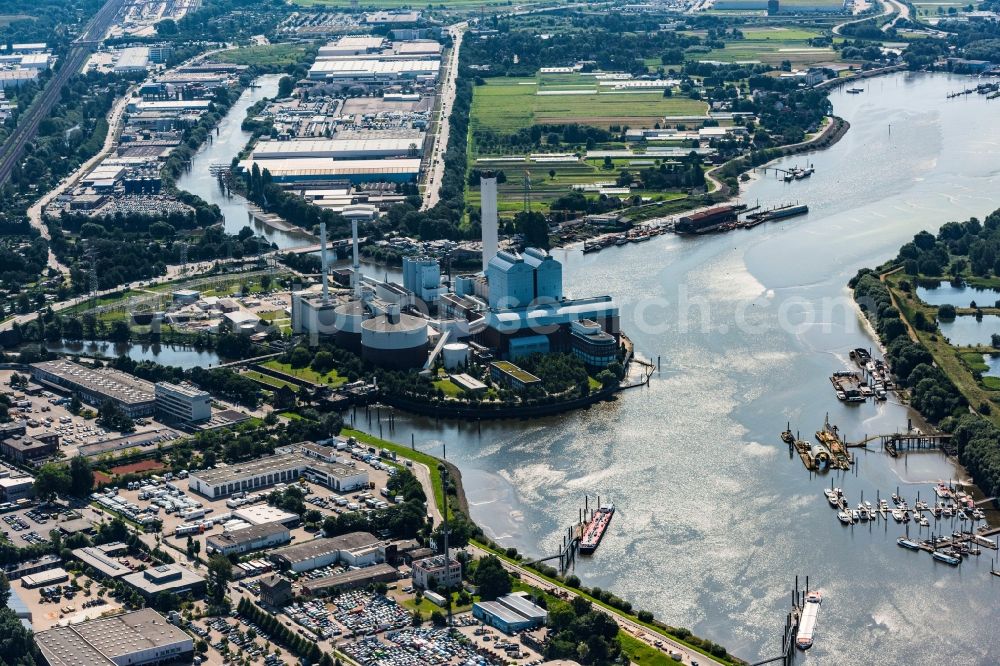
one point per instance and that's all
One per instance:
(594, 531)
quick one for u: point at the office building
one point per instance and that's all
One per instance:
(592, 345)
(437, 572)
(248, 539)
(134, 396)
(507, 374)
(24, 449)
(130, 639)
(165, 578)
(183, 402)
(264, 514)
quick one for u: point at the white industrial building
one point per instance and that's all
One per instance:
(374, 71)
(313, 169)
(15, 78)
(132, 60)
(130, 639)
(266, 472)
(352, 45)
(255, 537)
(340, 149)
(183, 402)
(422, 276)
(359, 549)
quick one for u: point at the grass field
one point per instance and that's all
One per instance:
(270, 55)
(505, 105)
(771, 45)
(308, 374)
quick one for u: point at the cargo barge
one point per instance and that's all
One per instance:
(807, 623)
(594, 531)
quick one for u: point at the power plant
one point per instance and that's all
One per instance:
(514, 307)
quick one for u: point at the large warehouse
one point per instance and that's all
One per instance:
(324, 169)
(354, 548)
(134, 396)
(266, 472)
(374, 71)
(340, 149)
(137, 638)
(255, 537)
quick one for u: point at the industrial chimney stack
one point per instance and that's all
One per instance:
(322, 255)
(488, 213)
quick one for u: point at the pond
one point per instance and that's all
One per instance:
(967, 331)
(960, 297)
(175, 355)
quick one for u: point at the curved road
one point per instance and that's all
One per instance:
(888, 8)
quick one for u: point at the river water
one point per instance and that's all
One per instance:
(225, 145)
(715, 518)
(180, 356)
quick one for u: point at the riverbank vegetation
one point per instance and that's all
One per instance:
(946, 384)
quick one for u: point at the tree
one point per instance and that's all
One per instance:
(286, 86)
(52, 479)
(81, 477)
(492, 579)
(220, 572)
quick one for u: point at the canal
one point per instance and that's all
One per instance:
(179, 356)
(224, 146)
(715, 518)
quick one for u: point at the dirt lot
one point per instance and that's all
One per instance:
(47, 614)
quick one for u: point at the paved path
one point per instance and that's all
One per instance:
(432, 189)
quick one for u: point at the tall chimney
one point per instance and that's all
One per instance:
(322, 255)
(356, 273)
(488, 214)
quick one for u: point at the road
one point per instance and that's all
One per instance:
(27, 126)
(115, 117)
(888, 8)
(902, 13)
(634, 628)
(432, 188)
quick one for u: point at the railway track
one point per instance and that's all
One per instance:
(13, 148)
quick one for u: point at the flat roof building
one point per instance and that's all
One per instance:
(321, 169)
(352, 45)
(183, 402)
(510, 613)
(104, 559)
(340, 149)
(133, 639)
(323, 552)
(255, 537)
(379, 573)
(247, 476)
(165, 578)
(437, 572)
(134, 396)
(373, 70)
(264, 514)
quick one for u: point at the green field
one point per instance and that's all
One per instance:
(505, 105)
(308, 374)
(771, 45)
(269, 55)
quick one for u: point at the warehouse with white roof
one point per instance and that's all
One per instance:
(374, 71)
(340, 149)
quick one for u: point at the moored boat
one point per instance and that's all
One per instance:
(946, 558)
(903, 542)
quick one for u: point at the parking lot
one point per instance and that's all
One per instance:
(47, 413)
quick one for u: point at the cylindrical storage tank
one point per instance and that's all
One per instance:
(394, 340)
(347, 319)
(455, 355)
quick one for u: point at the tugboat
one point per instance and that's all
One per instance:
(787, 437)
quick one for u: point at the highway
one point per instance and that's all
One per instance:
(76, 57)
(432, 189)
(888, 8)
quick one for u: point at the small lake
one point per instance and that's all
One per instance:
(967, 331)
(960, 297)
(994, 363)
(175, 355)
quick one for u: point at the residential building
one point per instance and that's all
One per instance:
(275, 591)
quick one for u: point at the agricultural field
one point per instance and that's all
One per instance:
(505, 105)
(938, 8)
(267, 55)
(772, 46)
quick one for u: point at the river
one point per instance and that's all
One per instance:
(180, 356)
(226, 143)
(715, 518)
